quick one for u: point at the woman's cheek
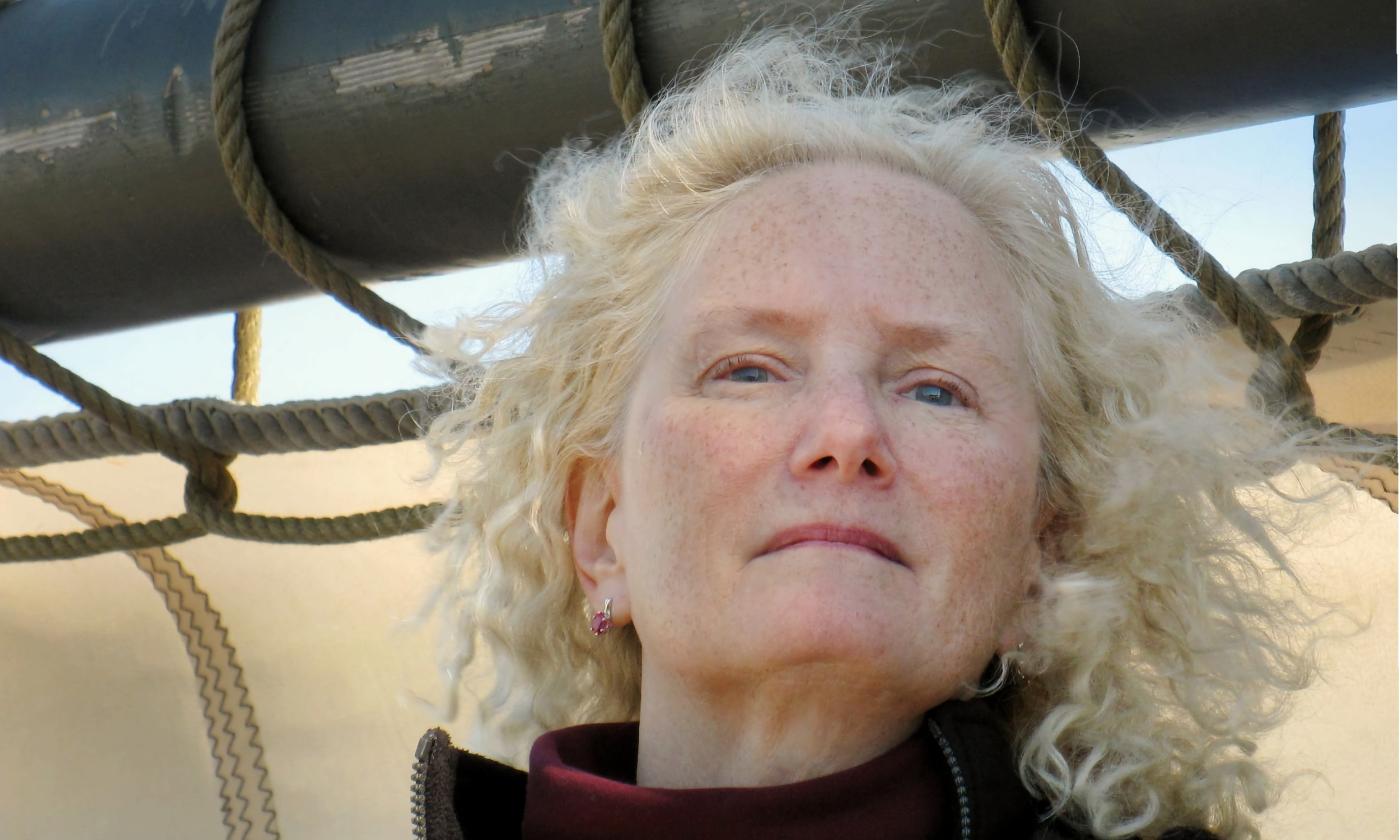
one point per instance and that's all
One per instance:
(713, 439)
(980, 489)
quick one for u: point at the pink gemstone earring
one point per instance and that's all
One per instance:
(602, 619)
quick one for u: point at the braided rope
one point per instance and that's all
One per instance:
(1329, 221)
(257, 201)
(1337, 286)
(309, 425)
(620, 56)
(234, 737)
(124, 536)
(206, 465)
(1329, 183)
(247, 347)
(1334, 285)
(210, 491)
(1035, 87)
(1288, 394)
(208, 518)
(307, 530)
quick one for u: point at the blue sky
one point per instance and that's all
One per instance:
(1246, 194)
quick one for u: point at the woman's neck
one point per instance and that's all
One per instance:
(800, 725)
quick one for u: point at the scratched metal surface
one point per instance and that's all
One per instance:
(401, 136)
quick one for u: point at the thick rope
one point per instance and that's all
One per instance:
(1289, 393)
(234, 738)
(208, 467)
(1335, 286)
(311, 425)
(620, 57)
(1329, 183)
(1331, 286)
(1329, 222)
(1035, 87)
(209, 519)
(308, 530)
(101, 540)
(210, 491)
(247, 347)
(305, 257)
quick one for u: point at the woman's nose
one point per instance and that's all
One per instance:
(844, 437)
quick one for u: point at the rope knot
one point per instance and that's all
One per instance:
(210, 490)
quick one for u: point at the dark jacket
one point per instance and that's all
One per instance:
(458, 795)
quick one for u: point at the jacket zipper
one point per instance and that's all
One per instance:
(959, 783)
(419, 795)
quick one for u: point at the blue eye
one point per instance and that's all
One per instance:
(935, 395)
(748, 373)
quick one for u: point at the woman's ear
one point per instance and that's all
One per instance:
(589, 505)
(1049, 527)
(1041, 554)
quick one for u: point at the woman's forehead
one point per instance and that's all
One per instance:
(837, 194)
(881, 241)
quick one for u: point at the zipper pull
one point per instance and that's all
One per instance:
(425, 746)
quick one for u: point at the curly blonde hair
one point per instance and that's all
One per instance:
(1162, 648)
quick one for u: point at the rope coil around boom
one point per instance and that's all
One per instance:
(306, 258)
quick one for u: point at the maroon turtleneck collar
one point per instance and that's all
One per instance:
(582, 785)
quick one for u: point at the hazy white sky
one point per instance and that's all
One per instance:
(1246, 194)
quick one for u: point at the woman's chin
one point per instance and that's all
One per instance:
(821, 616)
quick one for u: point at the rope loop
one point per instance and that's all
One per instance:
(629, 93)
(250, 187)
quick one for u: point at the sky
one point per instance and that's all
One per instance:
(1245, 194)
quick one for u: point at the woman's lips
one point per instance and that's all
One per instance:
(824, 532)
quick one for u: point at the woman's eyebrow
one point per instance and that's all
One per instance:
(749, 319)
(919, 336)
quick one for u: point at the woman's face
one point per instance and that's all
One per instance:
(830, 454)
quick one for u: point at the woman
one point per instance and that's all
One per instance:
(822, 490)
